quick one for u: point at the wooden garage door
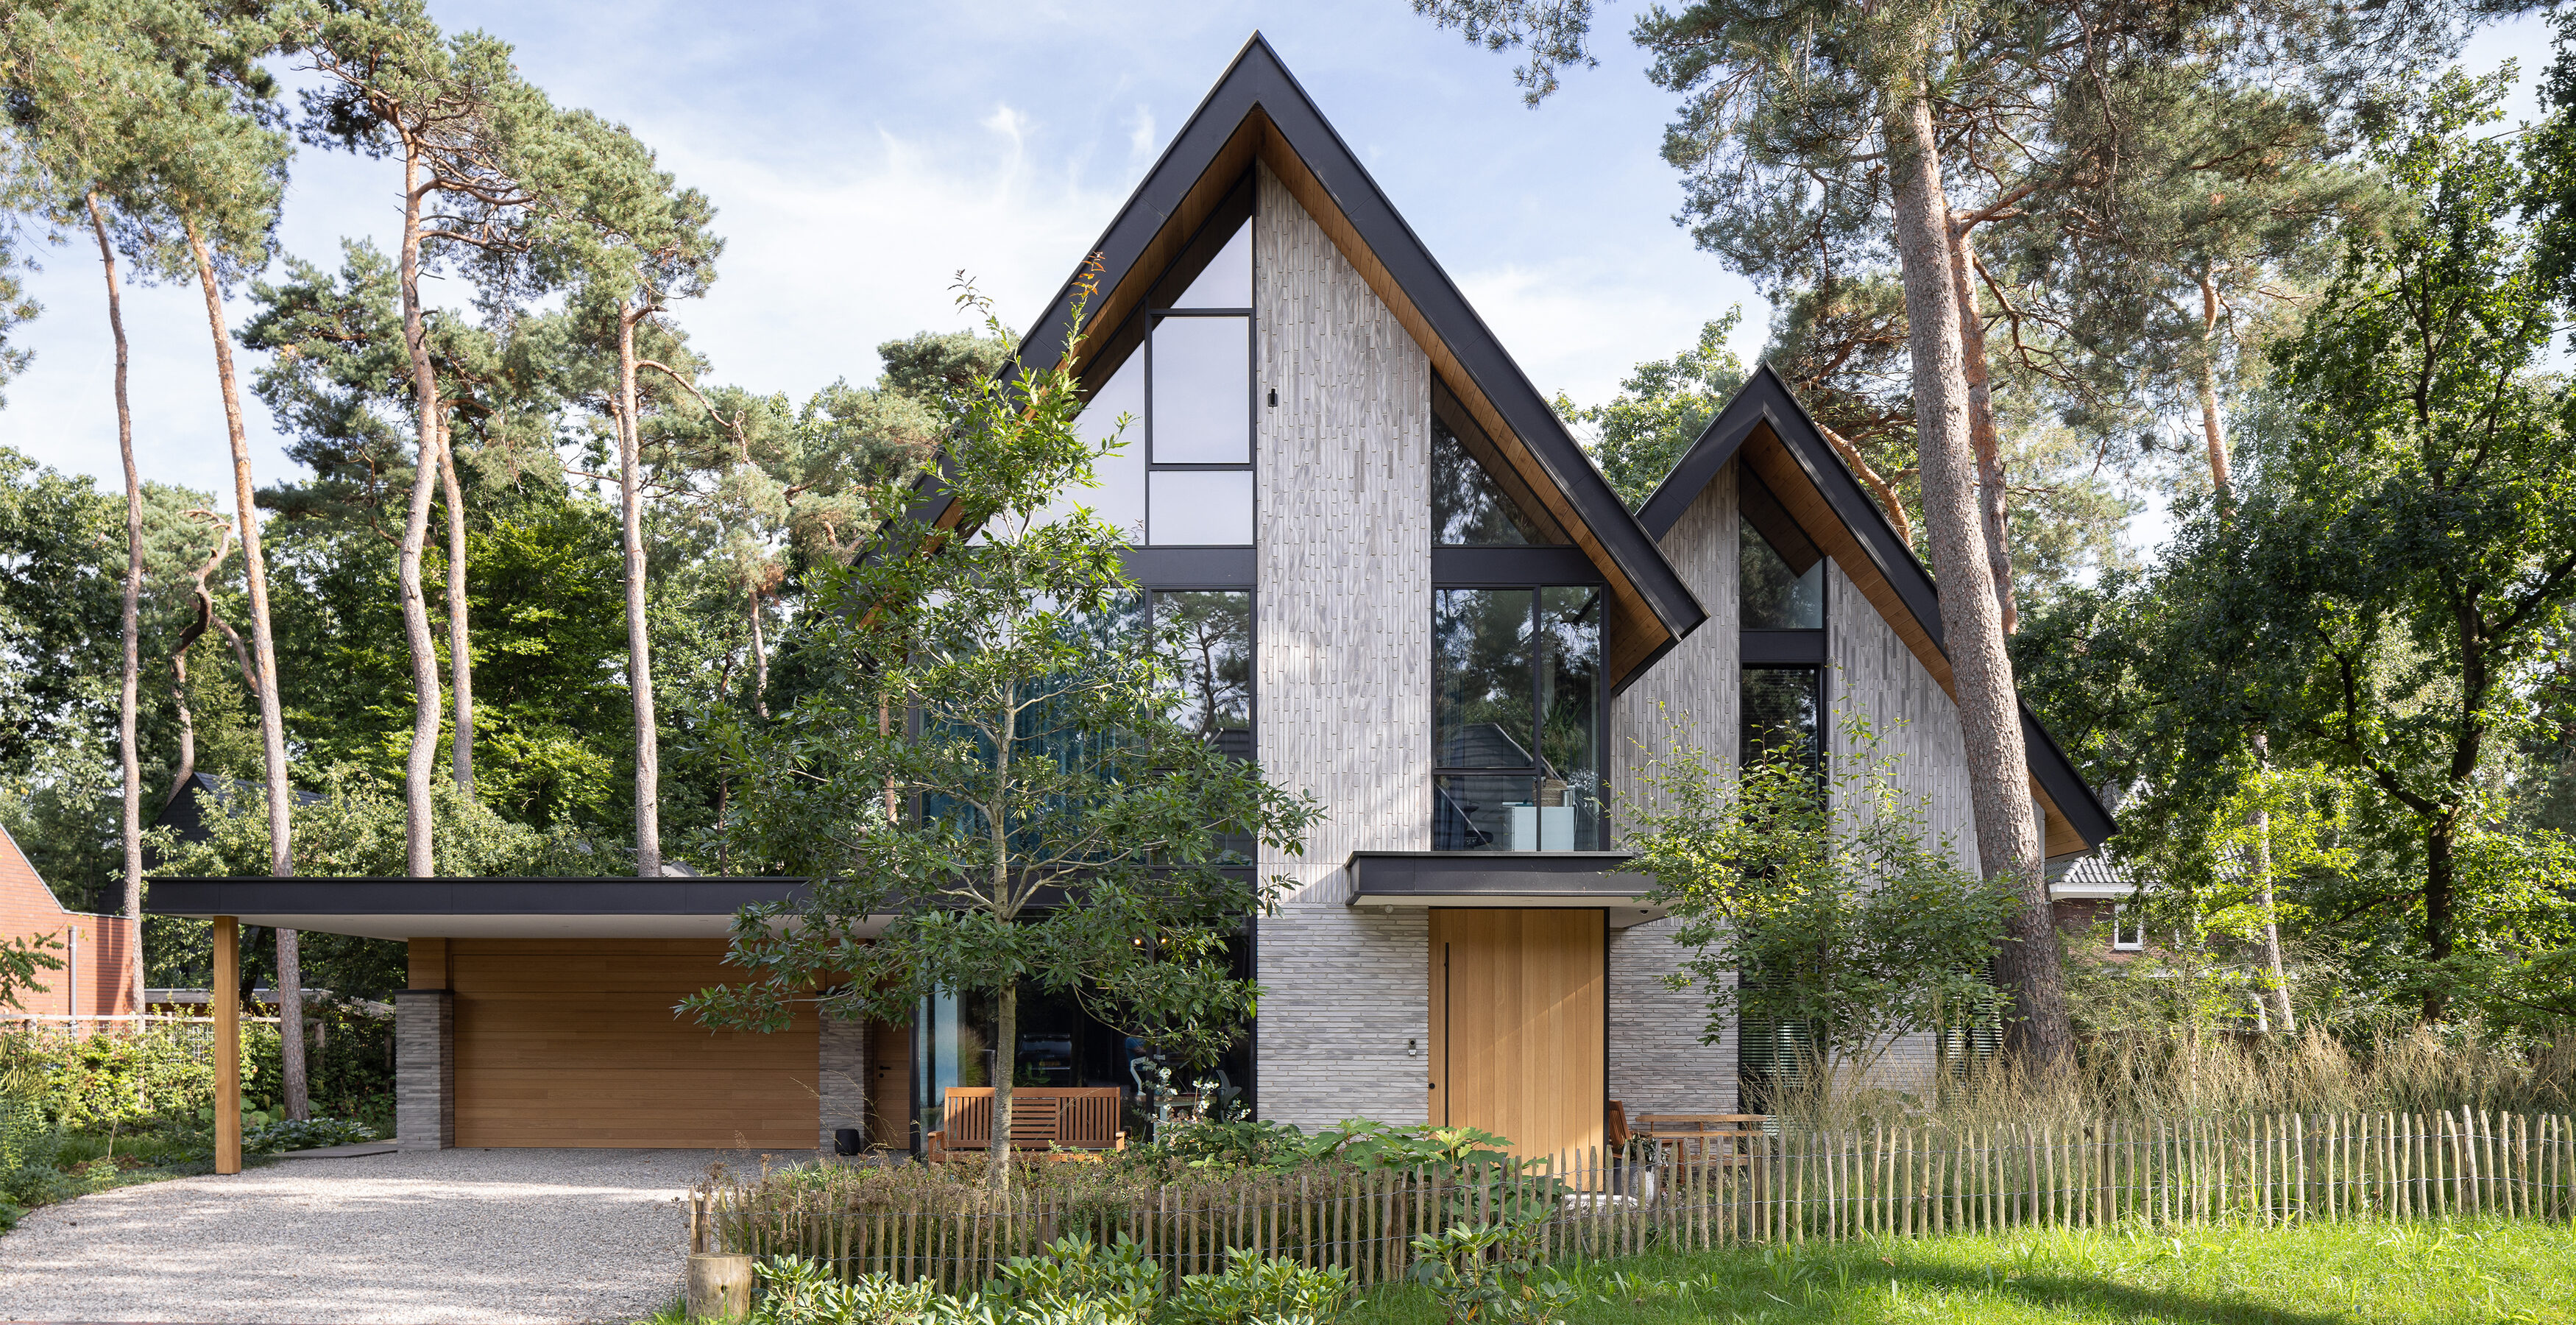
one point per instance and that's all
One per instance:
(1516, 1025)
(571, 1042)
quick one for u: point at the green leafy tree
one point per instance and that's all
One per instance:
(22, 961)
(1821, 142)
(2383, 601)
(480, 147)
(637, 242)
(1812, 894)
(1660, 410)
(1004, 767)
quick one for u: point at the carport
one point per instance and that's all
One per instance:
(539, 1011)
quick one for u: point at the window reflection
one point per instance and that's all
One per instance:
(1214, 628)
(1120, 497)
(1783, 710)
(1516, 719)
(1467, 506)
(1780, 573)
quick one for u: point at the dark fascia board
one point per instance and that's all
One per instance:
(1765, 398)
(1469, 566)
(261, 895)
(1592, 876)
(1258, 82)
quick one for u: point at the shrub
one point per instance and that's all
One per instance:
(1257, 1288)
(309, 1134)
(38, 1184)
(1071, 1281)
(164, 1070)
(1489, 1274)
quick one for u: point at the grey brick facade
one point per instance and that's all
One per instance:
(424, 1069)
(841, 1078)
(1346, 992)
(1657, 1063)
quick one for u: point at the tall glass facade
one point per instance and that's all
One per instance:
(1516, 713)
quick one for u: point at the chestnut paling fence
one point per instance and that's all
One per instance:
(1780, 1186)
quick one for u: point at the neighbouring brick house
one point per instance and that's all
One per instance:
(1436, 617)
(97, 951)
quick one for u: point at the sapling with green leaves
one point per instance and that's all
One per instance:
(1815, 878)
(1000, 784)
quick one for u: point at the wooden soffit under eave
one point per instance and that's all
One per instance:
(1107, 338)
(1771, 461)
(1637, 635)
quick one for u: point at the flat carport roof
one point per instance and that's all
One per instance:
(402, 908)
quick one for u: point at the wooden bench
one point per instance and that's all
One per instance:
(1693, 1138)
(1043, 1118)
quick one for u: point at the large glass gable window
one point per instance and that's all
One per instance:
(1781, 573)
(1471, 503)
(1517, 719)
(1183, 474)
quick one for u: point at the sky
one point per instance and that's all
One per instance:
(861, 157)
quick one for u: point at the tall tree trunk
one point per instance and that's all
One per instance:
(2222, 482)
(129, 614)
(2277, 995)
(1006, 1043)
(2213, 430)
(2440, 868)
(460, 658)
(1006, 1028)
(759, 662)
(2008, 844)
(1992, 508)
(418, 821)
(272, 720)
(639, 639)
(179, 666)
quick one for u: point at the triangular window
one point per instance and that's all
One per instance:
(1780, 573)
(1471, 506)
(1226, 282)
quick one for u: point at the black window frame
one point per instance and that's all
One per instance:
(1600, 697)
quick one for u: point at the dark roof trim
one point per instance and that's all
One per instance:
(1767, 399)
(1258, 81)
(261, 895)
(1391, 876)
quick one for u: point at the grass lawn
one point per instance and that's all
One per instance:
(2326, 1274)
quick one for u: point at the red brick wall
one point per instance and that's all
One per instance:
(97, 951)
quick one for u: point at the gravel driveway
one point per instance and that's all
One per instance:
(431, 1236)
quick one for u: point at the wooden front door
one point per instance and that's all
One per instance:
(1516, 1025)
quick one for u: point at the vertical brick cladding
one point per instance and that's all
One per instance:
(1657, 1063)
(841, 1066)
(1343, 606)
(97, 951)
(424, 1069)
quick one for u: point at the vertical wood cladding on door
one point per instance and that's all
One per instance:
(572, 1042)
(1689, 696)
(1877, 676)
(1344, 620)
(1516, 1027)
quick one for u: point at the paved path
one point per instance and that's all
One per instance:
(439, 1236)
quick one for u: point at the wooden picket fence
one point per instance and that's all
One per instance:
(1779, 1186)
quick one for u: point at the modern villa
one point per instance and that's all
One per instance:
(1425, 606)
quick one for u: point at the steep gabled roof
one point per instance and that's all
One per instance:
(1770, 431)
(1257, 111)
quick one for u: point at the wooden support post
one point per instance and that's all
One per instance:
(227, 991)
